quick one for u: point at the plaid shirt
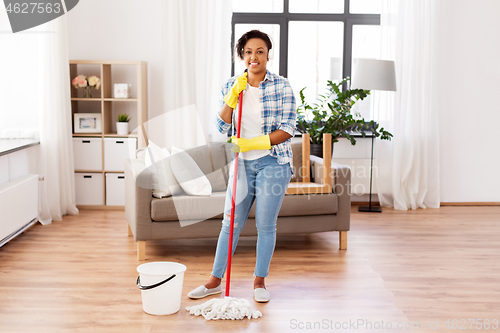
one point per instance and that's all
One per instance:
(278, 112)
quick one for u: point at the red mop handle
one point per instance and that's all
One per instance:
(233, 200)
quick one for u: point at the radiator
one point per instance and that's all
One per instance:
(18, 206)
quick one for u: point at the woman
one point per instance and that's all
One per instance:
(267, 126)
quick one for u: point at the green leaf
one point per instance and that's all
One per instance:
(123, 118)
(332, 114)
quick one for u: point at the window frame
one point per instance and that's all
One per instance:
(283, 19)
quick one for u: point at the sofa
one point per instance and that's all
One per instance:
(185, 216)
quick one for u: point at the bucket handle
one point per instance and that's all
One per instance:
(141, 287)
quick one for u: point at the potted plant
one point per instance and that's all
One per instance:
(122, 124)
(333, 114)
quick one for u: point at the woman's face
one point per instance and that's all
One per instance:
(255, 56)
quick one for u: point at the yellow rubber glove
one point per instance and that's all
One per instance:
(239, 85)
(242, 145)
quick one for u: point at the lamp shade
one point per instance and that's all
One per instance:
(371, 74)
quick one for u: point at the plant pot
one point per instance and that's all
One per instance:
(121, 128)
(316, 149)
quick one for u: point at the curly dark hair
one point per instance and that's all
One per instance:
(249, 35)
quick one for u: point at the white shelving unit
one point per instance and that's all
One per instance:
(99, 157)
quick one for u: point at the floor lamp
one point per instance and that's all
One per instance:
(371, 74)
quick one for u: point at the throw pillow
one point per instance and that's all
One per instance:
(140, 154)
(217, 180)
(164, 182)
(188, 174)
(201, 156)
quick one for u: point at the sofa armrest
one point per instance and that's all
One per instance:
(341, 185)
(138, 197)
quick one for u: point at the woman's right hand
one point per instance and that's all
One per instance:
(239, 85)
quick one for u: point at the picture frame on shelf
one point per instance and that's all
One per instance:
(121, 90)
(87, 123)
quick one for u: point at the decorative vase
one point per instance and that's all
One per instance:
(122, 128)
(316, 149)
(87, 93)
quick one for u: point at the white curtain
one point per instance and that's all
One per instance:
(197, 39)
(408, 167)
(56, 148)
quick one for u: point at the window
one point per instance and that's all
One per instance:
(313, 40)
(19, 107)
(316, 6)
(366, 43)
(365, 6)
(315, 56)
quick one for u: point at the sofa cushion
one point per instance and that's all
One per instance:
(221, 162)
(229, 152)
(158, 161)
(189, 174)
(201, 208)
(218, 175)
(218, 150)
(140, 154)
(189, 207)
(297, 159)
(302, 205)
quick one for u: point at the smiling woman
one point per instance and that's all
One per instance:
(266, 125)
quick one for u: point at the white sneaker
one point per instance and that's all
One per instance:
(201, 292)
(261, 295)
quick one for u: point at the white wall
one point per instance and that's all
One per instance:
(121, 30)
(469, 87)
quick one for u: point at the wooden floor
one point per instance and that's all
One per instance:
(427, 266)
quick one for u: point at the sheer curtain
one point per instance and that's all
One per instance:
(408, 166)
(56, 148)
(197, 39)
(35, 102)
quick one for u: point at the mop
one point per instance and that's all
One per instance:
(228, 307)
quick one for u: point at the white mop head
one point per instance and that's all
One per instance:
(227, 308)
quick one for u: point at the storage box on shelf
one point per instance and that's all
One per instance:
(100, 157)
(87, 153)
(115, 189)
(116, 151)
(89, 188)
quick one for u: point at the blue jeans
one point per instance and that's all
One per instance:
(262, 180)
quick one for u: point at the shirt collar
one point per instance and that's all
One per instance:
(269, 76)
